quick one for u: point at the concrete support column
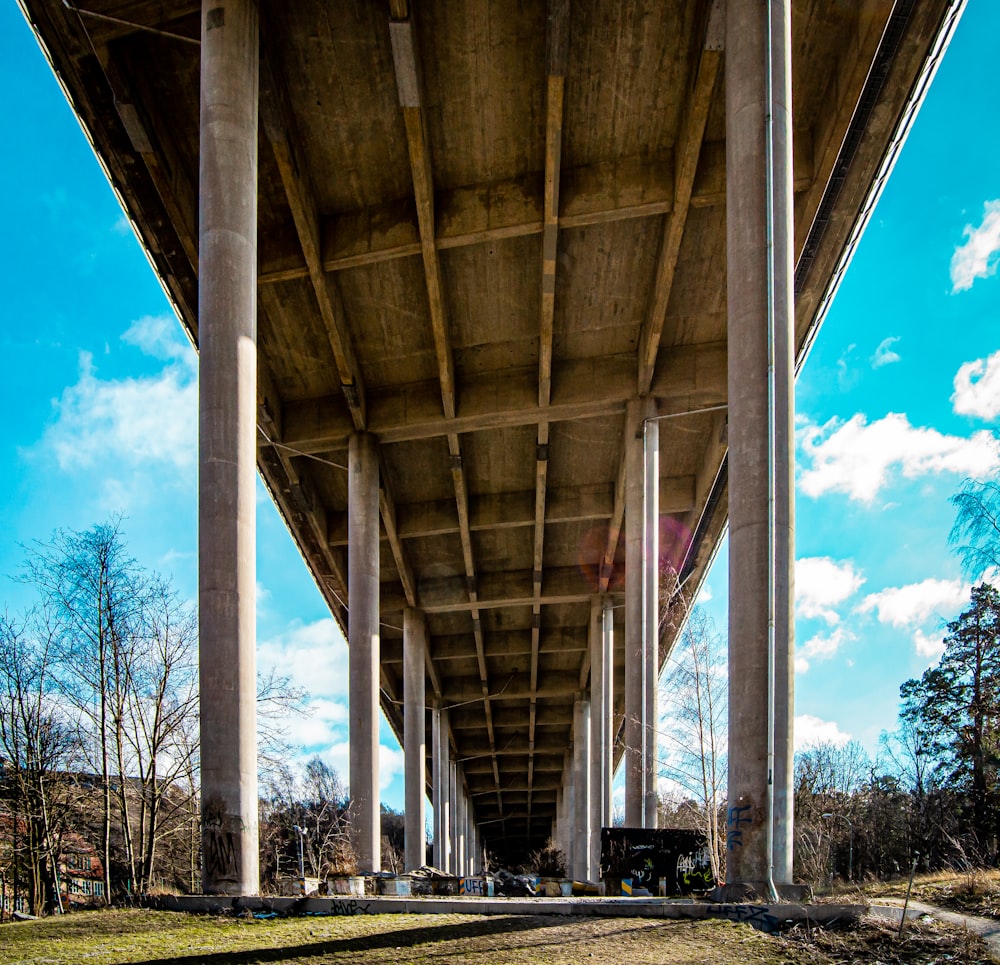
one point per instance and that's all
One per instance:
(462, 822)
(442, 844)
(759, 313)
(599, 760)
(608, 752)
(581, 784)
(363, 644)
(651, 612)
(454, 818)
(567, 819)
(635, 691)
(414, 734)
(227, 312)
(437, 803)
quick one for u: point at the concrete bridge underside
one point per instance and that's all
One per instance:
(480, 303)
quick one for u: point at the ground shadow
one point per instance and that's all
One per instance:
(401, 938)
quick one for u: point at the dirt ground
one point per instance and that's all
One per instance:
(112, 937)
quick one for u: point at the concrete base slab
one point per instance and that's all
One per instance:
(744, 891)
(764, 917)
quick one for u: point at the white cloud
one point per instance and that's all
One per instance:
(977, 388)
(821, 583)
(130, 427)
(159, 337)
(821, 647)
(928, 645)
(884, 354)
(977, 257)
(913, 605)
(312, 655)
(810, 730)
(856, 457)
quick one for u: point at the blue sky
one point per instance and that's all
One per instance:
(897, 404)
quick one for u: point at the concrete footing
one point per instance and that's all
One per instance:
(764, 917)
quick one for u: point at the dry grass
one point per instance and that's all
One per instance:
(975, 892)
(109, 938)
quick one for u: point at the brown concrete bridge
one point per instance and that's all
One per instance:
(465, 304)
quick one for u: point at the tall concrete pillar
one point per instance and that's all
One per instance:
(453, 826)
(759, 314)
(635, 669)
(437, 788)
(363, 644)
(651, 612)
(567, 818)
(599, 759)
(608, 753)
(581, 784)
(227, 424)
(461, 814)
(414, 734)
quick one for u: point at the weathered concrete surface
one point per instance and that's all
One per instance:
(760, 333)
(227, 428)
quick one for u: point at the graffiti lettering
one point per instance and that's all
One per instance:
(694, 871)
(350, 907)
(757, 916)
(736, 820)
(222, 860)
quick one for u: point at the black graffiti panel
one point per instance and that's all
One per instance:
(646, 855)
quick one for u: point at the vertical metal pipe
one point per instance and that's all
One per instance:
(227, 313)
(414, 734)
(363, 647)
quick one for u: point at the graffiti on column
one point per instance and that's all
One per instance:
(737, 819)
(220, 843)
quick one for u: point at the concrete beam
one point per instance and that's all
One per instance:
(692, 379)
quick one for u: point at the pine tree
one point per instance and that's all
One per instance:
(955, 707)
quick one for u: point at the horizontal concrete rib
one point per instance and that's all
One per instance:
(693, 378)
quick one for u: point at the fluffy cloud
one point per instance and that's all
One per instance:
(884, 354)
(821, 583)
(928, 645)
(856, 457)
(821, 647)
(977, 388)
(911, 606)
(130, 429)
(810, 730)
(977, 257)
(315, 659)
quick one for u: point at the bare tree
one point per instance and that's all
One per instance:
(161, 721)
(37, 746)
(693, 708)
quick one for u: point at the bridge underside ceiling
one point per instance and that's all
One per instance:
(485, 228)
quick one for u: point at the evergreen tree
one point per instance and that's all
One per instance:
(955, 708)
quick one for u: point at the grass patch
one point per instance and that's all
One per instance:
(174, 938)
